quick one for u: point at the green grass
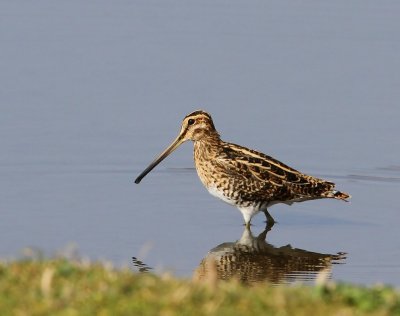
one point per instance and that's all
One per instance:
(65, 287)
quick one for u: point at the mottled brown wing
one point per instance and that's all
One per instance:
(269, 177)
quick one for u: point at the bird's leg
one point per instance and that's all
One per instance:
(270, 219)
(268, 226)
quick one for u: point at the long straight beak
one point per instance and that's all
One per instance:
(178, 141)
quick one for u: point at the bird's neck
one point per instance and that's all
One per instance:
(207, 146)
(205, 154)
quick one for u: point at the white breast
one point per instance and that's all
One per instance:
(247, 211)
(220, 194)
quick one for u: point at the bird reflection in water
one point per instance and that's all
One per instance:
(252, 260)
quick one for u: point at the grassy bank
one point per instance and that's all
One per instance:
(62, 287)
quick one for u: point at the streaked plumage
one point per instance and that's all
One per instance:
(252, 259)
(248, 179)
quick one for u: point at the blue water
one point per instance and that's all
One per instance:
(91, 92)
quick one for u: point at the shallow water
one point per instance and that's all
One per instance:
(91, 92)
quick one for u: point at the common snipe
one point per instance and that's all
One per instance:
(248, 179)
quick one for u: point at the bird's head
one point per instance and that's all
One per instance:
(196, 126)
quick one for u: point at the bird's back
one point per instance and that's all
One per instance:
(246, 175)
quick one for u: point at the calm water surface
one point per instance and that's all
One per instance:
(91, 92)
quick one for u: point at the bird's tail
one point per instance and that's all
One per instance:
(339, 195)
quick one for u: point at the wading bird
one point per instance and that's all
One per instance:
(250, 180)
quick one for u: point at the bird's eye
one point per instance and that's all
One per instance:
(191, 122)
